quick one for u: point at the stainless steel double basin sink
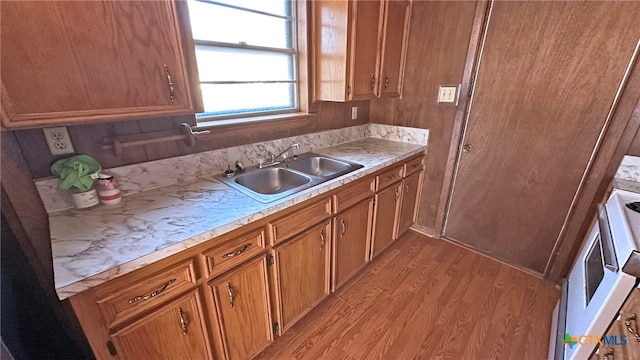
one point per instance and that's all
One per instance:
(274, 182)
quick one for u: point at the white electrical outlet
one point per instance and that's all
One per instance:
(447, 94)
(354, 112)
(58, 140)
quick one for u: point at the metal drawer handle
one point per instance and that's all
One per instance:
(183, 323)
(390, 177)
(397, 195)
(171, 90)
(344, 227)
(322, 240)
(237, 252)
(608, 355)
(372, 83)
(406, 188)
(153, 294)
(632, 330)
(230, 292)
(386, 82)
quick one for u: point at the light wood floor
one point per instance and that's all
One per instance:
(427, 299)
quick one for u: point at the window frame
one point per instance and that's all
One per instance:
(299, 38)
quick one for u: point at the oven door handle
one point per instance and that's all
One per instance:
(608, 250)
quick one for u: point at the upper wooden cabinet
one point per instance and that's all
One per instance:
(66, 62)
(359, 48)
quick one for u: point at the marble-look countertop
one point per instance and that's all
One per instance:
(628, 175)
(93, 246)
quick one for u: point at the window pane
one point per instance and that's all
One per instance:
(277, 7)
(241, 98)
(226, 64)
(218, 23)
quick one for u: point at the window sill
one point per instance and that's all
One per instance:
(252, 121)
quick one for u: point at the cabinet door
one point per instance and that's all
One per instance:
(243, 309)
(302, 273)
(364, 49)
(386, 215)
(615, 346)
(408, 208)
(351, 234)
(80, 61)
(394, 47)
(174, 331)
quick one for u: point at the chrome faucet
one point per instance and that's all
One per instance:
(273, 159)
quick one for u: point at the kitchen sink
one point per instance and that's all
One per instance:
(319, 165)
(272, 180)
(285, 178)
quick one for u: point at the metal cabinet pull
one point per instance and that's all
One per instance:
(397, 195)
(322, 240)
(230, 292)
(390, 177)
(608, 355)
(467, 148)
(237, 252)
(632, 330)
(344, 228)
(183, 323)
(153, 294)
(372, 82)
(406, 188)
(386, 82)
(171, 90)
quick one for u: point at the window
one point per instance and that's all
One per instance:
(246, 55)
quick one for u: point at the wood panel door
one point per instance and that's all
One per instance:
(409, 206)
(352, 238)
(243, 308)
(302, 273)
(80, 61)
(545, 84)
(174, 331)
(385, 218)
(394, 42)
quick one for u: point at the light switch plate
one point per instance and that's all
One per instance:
(58, 140)
(447, 94)
(354, 112)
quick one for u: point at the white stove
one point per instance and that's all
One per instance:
(604, 274)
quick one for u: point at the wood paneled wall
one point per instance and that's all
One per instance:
(88, 139)
(438, 42)
(635, 146)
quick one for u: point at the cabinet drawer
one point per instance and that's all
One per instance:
(119, 301)
(413, 165)
(353, 193)
(231, 253)
(389, 177)
(306, 217)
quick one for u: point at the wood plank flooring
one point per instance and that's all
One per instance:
(427, 299)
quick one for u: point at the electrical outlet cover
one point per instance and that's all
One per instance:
(58, 140)
(354, 112)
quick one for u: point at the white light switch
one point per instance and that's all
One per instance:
(354, 112)
(447, 94)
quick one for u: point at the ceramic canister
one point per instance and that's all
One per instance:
(108, 190)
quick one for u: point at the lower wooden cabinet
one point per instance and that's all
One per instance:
(174, 331)
(302, 273)
(243, 309)
(621, 339)
(351, 241)
(410, 197)
(385, 218)
(227, 299)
